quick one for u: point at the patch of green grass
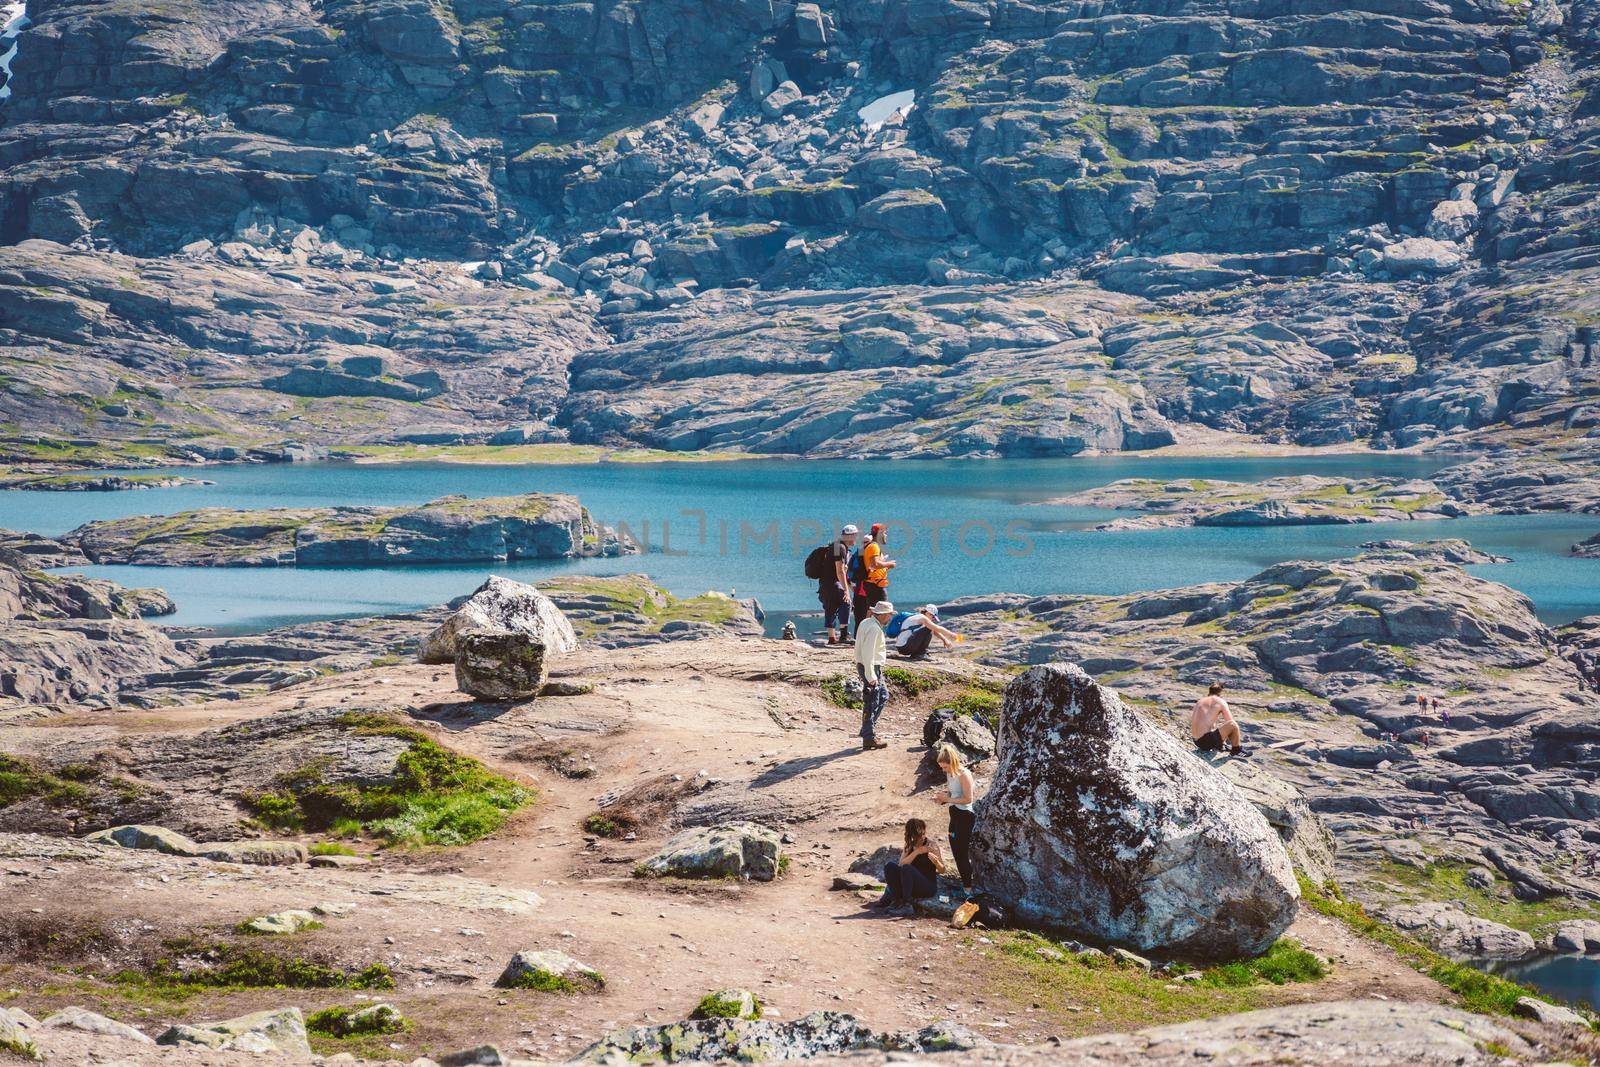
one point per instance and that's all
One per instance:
(712, 1006)
(834, 690)
(912, 683)
(1448, 882)
(341, 1022)
(331, 848)
(195, 965)
(1065, 985)
(543, 981)
(436, 796)
(1284, 962)
(20, 1046)
(23, 779)
(982, 704)
(1486, 994)
(603, 825)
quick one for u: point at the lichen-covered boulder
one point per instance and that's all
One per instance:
(281, 922)
(728, 1004)
(732, 850)
(550, 971)
(157, 838)
(1097, 821)
(281, 1031)
(744, 1040)
(502, 605)
(87, 1022)
(499, 665)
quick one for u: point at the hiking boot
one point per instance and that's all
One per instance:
(1240, 752)
(901, 911)
(868, 744)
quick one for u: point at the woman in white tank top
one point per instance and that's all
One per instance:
(959, 793)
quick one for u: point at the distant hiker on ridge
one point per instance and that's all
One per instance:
(872, 652)
(1212, 724)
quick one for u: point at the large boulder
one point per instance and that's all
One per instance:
(1099, 822)
(733, 850)
(498, 665)
(501, 604)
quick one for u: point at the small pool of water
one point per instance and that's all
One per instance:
(1575, 979)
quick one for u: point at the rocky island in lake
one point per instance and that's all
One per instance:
(1299, 501)
(448, 530)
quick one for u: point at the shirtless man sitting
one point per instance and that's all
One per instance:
(1212, 723)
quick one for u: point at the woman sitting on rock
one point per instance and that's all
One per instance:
(915, 875)
(959, 794)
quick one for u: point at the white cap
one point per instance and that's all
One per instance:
(849, 528)
(883, 607)
(931, 609)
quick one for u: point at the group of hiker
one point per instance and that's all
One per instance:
(854, 581)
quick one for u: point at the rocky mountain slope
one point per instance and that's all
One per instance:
(249, 229)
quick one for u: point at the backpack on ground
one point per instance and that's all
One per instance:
(819, 564)
(933, 726)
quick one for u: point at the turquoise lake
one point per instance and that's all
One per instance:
(960, 528)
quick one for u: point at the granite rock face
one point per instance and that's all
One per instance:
(1098, 822)
(1351, 225)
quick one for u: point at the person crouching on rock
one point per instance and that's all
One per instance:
(915, 874)
(914, 631)
(1212, 725)
(872, 652)
(958, 794)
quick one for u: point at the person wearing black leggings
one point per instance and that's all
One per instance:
(915, 874)
(958, 794)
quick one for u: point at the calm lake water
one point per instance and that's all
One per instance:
(959, 528)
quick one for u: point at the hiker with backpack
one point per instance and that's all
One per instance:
(829, 565)
(913, 631)
(869, 573)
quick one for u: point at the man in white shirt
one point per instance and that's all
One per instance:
(872, 652)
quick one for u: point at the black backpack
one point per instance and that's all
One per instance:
(933, 726)
(819, 564)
